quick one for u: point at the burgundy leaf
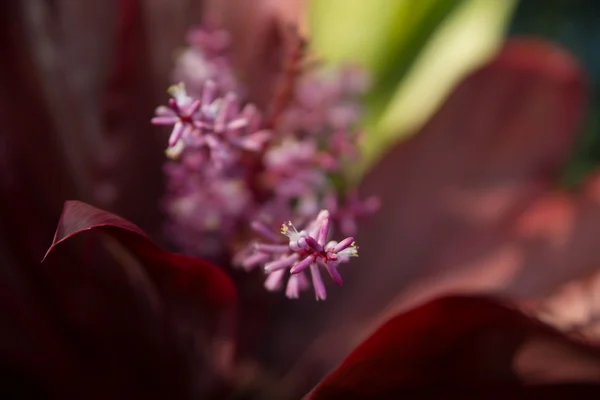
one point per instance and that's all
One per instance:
(460, 347)
(192, 275)
(75, 118)
(34, 180)
(122, 316)
(129, 162)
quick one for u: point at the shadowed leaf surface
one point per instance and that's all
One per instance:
(118, 316)
(460, 347)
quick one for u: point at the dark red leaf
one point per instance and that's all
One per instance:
(117, 320)
(459, 347)
(136, 319)
(194, 276)
(129, 163)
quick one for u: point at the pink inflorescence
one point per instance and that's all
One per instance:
(214, 127)
(228, 170)
(305, 249)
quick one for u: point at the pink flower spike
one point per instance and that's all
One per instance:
(302, 252)
(318, 284)
(229, 167)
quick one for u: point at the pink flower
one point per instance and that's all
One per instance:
(297, 158)
(306, 249)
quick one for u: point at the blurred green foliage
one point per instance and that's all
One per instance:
(414, 50)
(575, 25)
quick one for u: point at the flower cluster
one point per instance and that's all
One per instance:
(214, 126)
(233, 166)
(306, 249)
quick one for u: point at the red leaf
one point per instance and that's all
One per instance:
(461, 346)
(191, 275)
(140, 320)
(130, 159)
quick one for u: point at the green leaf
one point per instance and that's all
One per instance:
(415, 51)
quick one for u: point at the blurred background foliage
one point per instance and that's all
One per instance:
(416, 51)
(575, 25)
